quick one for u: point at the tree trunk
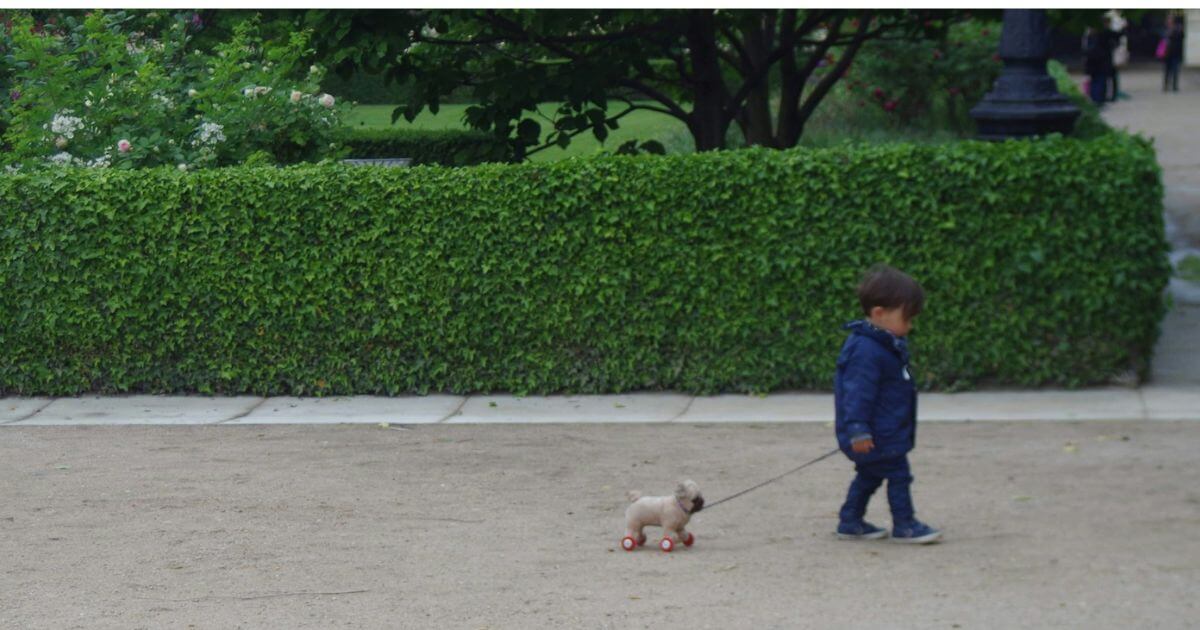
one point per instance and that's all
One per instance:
(707, 121)
(758, 37)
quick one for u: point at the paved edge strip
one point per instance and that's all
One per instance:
(457, 410)
(244, 413)
(35, 412)
(1178, 403)
(683, 413)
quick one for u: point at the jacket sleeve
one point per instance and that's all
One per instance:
(861, 387)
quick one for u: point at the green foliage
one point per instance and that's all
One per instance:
(725, 271)
(912, 79)
(1089, 124)
(703, 67)
(1189, 268)
(92, 91)
(427, 146)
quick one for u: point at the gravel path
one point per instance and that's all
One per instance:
(1046, 525)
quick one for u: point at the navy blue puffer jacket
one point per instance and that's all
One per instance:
(874, 393)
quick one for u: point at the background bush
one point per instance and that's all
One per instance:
(933, 82)
(729, 271)
(1089, 124)
(446, 147)
(85, 86)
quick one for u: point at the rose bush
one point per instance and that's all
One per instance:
(98, 92)
(915, 79)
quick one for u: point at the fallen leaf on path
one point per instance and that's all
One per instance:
(1022, 498)
(723, 569)
(1070, 447)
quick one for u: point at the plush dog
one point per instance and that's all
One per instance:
(672, 513)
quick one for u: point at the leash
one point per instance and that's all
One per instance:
(710, 506)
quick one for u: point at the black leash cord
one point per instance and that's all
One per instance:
(712, 505)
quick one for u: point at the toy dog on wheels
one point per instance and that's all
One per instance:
(671, 513)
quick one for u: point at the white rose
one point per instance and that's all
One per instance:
(60, 142)
(327, 100)
(313, 69)
(192, 92)
(296, 96)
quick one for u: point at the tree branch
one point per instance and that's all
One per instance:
(572, 134)
(681, 66)
(787, 46)
(673, 107)
(746, 65)
(826, 84)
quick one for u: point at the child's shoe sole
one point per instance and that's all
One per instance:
(919, 540)
(872, 536)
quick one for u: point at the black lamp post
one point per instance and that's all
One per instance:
(1024, 101)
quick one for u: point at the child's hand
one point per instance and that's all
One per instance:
(863, 446)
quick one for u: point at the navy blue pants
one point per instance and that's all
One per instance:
(870, 476)
(1098, 88)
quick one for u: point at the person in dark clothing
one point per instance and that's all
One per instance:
(875, 407)
(1116, 29)
(1097, 49)
(1174, 57)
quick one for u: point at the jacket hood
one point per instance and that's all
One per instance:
(898, 345)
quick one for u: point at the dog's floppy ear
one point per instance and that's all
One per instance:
(681, 491)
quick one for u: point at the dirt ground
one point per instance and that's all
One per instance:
(1046, 525)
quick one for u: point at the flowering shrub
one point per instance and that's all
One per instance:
(93, 92)
(911, 79)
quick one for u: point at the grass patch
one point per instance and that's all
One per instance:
(1189, 268)
(640, 125)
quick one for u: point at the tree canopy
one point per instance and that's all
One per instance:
(763, 70)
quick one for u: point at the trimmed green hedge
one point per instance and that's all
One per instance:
(445, 147)
(1089, 124)
(709, 272)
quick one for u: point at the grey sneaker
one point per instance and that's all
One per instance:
(915, 532)
(861, 530)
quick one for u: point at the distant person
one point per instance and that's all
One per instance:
(875, 401)
(1118, 30)
(1172, 53)
(1097, 63)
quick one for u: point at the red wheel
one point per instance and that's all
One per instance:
(641, 540)
(666, 545)
(628, 543)
(690, 540)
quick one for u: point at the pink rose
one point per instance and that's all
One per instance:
(124, 147)
(327, 100)
(296, 94)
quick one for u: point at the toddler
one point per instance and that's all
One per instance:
(876, 406)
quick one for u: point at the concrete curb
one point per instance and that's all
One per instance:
(1149, 403)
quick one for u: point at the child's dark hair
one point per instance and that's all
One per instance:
(890, 288)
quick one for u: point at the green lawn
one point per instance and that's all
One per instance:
(640, 125)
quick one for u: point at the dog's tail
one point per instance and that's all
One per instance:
(633, 495)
